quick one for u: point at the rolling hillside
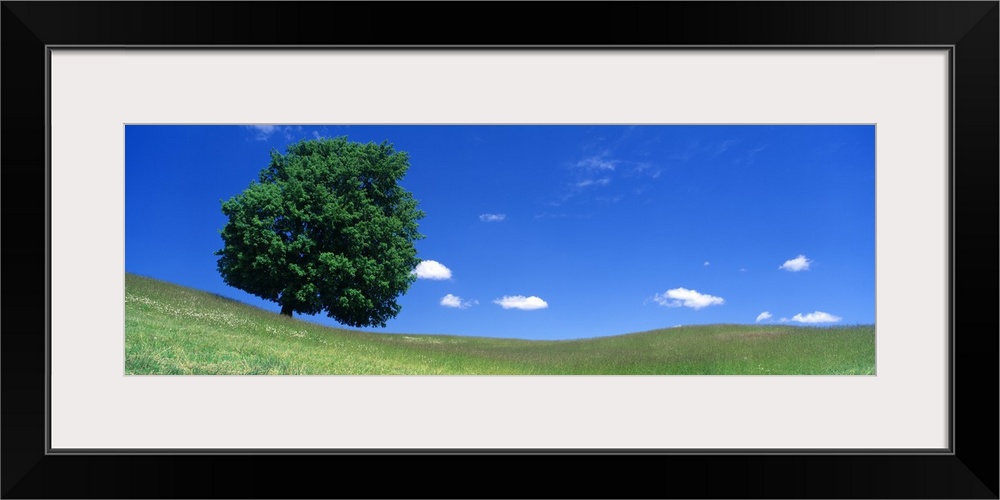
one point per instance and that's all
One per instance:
(172, 330)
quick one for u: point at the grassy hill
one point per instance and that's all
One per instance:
(175, 330)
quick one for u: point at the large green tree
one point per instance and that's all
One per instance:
(327, 228)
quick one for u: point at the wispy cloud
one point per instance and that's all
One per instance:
(678, 297)
(608, 200)
(586, 178)
(432, 270)
(604, 168)
(816, 317)
(521, 302)
(721, 147)
(762, 316)
(550, 215)
(749, 156)
(492, 217)
(604, 181)
(456, 302)
(800, 263)
(646, 168)
(707, 263)
(601, 161)
(291, 131)
(265, 132)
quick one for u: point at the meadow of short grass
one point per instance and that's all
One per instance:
(171, 330)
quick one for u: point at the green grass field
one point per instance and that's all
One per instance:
(172, 330)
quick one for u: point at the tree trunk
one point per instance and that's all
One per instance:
(286, 310)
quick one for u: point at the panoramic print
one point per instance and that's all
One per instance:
(286, 249)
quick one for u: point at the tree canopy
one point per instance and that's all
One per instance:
(325, 228)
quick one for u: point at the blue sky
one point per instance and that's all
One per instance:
(560, 231)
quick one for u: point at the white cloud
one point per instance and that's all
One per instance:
(492, 217)
(263, 131)
(707, 263)
(762, 316)
(722, 147)
(598, 162)
(604, 181)
(645, 167)
(432, 270)
(451, 301)
(521, 302)
(816, 317)
(800, 263)
(678, 297)
(549, 215)
(288, 132)
(457, 302)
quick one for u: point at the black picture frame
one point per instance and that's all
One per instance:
(970, 29)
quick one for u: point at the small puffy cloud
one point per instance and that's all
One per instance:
(457, 302)
(816, 317)
(678, 297)
(800, 263)
(451, 301)
(707, 263)
(762, 316)
(521, 302)
(432, 270)
(492, 217)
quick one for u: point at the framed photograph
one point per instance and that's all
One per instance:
(794, 180)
